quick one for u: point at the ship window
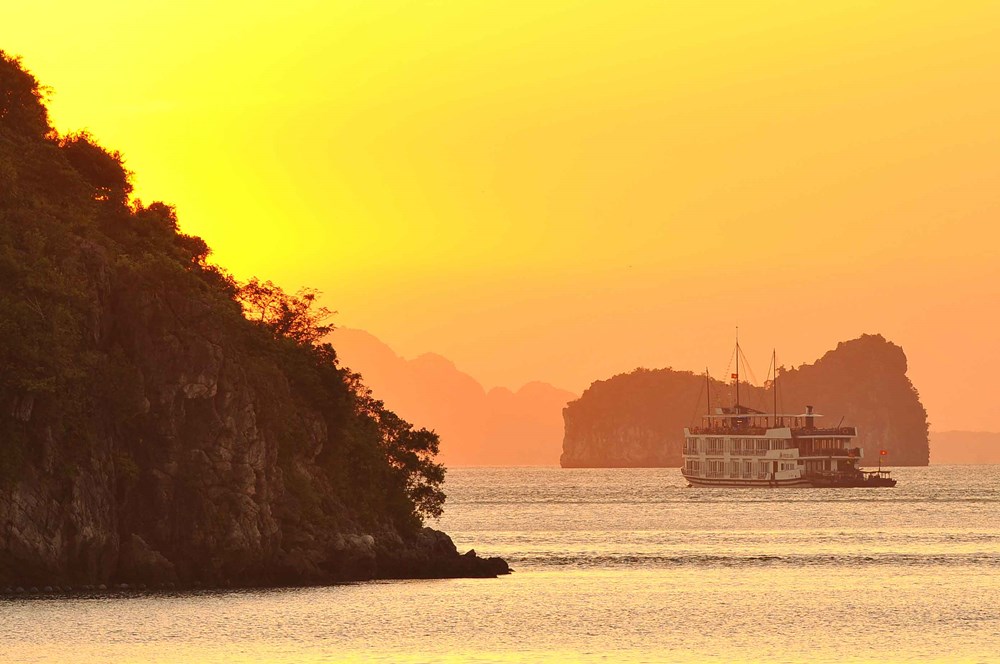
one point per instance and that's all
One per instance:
(715, 467)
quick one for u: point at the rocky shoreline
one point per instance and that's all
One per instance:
(431, 555)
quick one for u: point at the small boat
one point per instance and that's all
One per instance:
(855, 478)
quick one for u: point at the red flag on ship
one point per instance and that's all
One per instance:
(734, 375)
(883, 452)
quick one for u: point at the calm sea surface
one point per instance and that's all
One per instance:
(612, 566)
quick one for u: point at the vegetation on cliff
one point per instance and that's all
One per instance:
(637, 419)
(161, 420)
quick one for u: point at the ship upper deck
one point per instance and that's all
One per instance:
(744, 421)
(796, 432)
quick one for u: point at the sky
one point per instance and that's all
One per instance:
(563, 191)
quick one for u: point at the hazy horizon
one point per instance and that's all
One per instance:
(515, 387)
(488, 426)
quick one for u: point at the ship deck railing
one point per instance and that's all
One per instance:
(728, 431)
(828, 431)
(804, 452)
(760, 431)
(732, 453)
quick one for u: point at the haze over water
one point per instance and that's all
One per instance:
(612, 565)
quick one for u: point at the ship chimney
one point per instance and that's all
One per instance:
(809, 417)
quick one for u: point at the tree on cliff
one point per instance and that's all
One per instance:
(104, 170)
(411, 455)
(410, 452)
(290, 316)
(21, 106)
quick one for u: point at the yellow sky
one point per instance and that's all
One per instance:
(565, 190)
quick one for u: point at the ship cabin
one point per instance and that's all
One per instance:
(740, 446)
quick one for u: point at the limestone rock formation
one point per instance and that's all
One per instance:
(637, 419)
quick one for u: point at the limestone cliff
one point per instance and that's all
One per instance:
(149, 433)
(637, 419)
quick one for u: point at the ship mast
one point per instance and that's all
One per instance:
(774, 383)
(708, 397)
(737, 370)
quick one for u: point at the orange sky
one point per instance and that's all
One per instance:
(566, 190)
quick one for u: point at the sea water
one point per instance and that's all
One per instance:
(622, 565)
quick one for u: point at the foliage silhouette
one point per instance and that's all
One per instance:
(291, 316)
(101, 169)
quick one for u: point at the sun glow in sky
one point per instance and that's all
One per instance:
(562, 191)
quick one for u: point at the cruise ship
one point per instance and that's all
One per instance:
(738, 446)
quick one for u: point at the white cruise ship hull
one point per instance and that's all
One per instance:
(725, 482)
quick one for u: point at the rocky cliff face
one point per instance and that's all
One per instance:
(631, 420)
(638, 419)
(149, 434)
(864, 381)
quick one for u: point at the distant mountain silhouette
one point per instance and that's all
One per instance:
(477, 427)
(964, 447)
(637, 419)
